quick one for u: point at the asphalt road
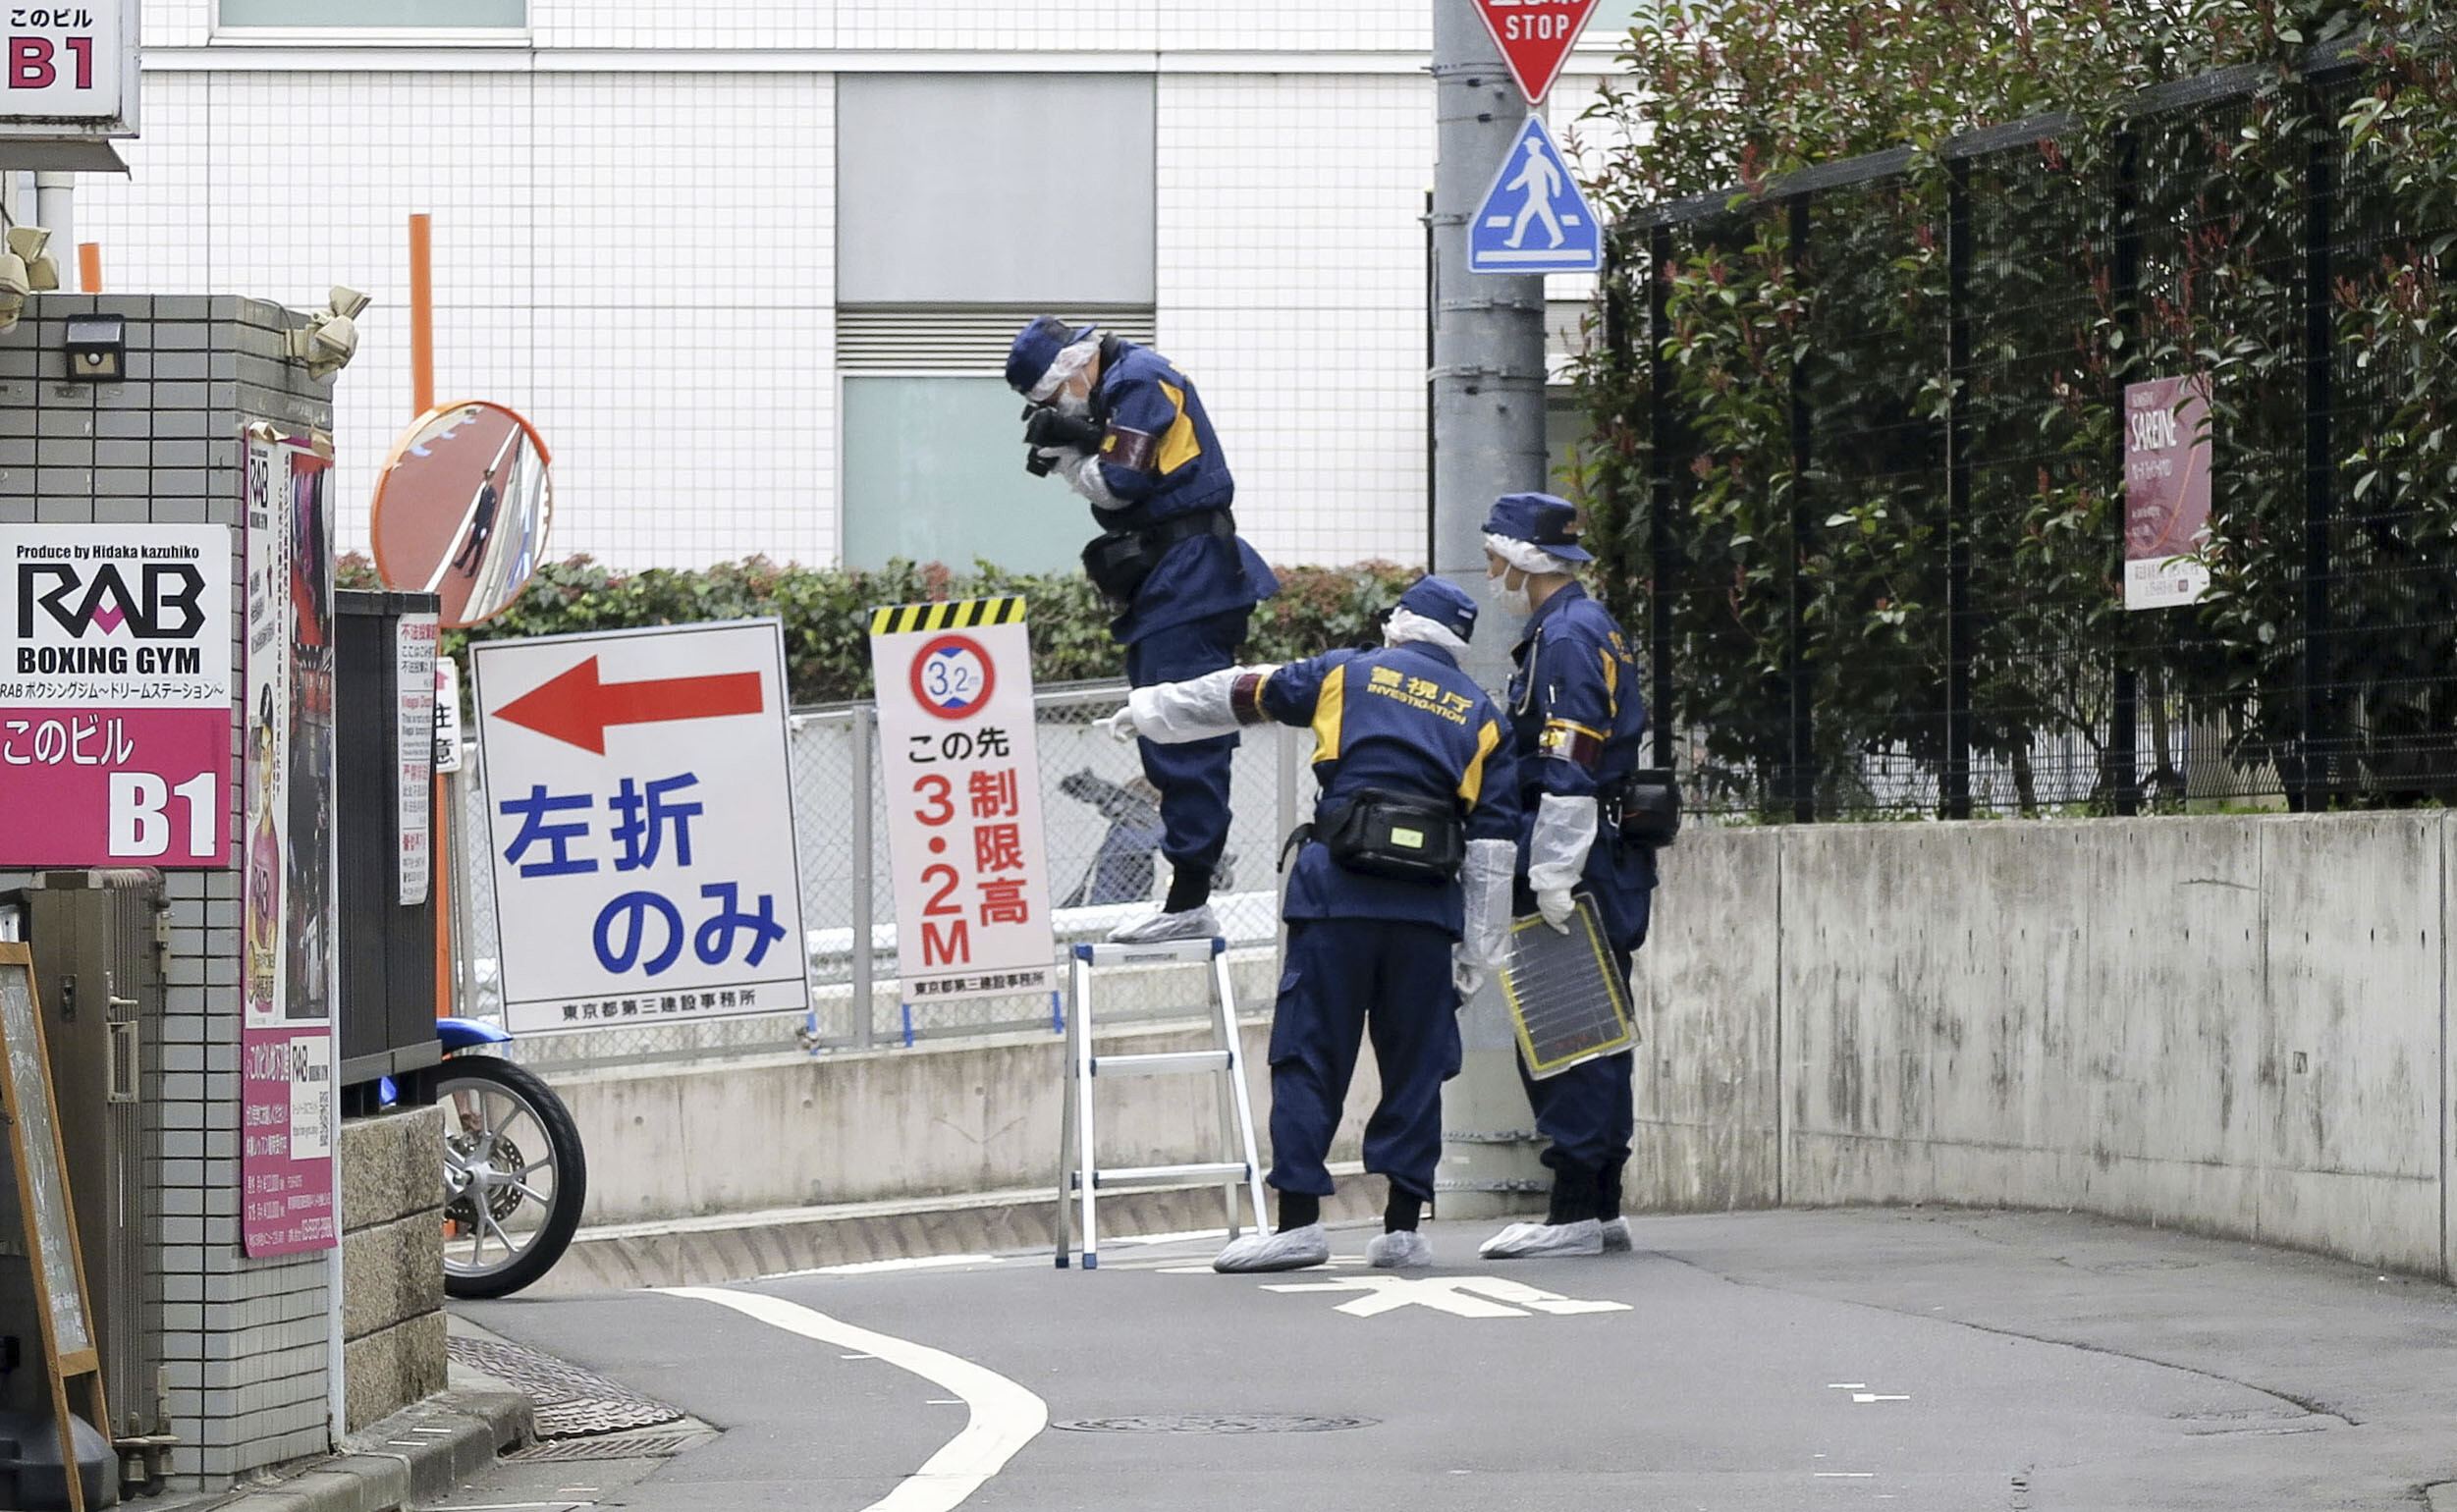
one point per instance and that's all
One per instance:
(1899, 1358)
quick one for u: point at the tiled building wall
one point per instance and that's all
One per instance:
(634, 235)
(246, 1343)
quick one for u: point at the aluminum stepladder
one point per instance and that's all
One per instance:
(1079, 1178)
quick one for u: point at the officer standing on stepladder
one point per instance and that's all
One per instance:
(1397, 906)
(1577, 718)
(1127, 432)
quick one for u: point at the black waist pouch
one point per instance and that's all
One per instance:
(1387, 835)
(1650, 807)
(1118, 562)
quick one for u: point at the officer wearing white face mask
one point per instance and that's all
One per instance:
(1576, 721)
(1125, 429)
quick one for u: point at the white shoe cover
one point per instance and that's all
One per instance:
(1617, 1236)
(1295, 1250)
(1188, 924)
(1399, 1249)
(1544, 1241)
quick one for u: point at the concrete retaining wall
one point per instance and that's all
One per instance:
(2235, 1025)
(391, 1262)
(938, 1120)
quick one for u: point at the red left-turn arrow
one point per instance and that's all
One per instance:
(573, 707)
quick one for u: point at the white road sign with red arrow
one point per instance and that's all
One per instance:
(640, 809)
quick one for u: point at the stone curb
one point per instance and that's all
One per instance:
(709, 1251)
(421, 1454)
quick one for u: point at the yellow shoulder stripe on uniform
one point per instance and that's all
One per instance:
(1178, 447)
(956, 614)
(1329, 705)
(1612, 677)
(1472, 780)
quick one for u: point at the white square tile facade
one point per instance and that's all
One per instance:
(635, 239)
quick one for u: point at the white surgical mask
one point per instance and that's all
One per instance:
(1510, 600)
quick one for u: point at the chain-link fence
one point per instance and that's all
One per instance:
(1100, 825)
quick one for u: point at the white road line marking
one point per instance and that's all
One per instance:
(882, 1267)
(857, 1357)
(1005, 1417)
(1843, 1475)
(1846, 1386)
(1461, 1296)
(1871, 1396)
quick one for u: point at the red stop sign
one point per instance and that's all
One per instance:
(1535, 37)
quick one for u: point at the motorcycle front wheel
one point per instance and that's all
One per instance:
(513, 1176)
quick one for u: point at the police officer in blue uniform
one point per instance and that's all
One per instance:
(1126, 430)
(1397, 906)
(1576, 716)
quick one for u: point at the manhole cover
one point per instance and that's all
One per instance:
(1217, 1423)
(613, 1446)
(570, 1402)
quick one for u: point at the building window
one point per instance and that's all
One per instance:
(934, 472)
(385, 15)
(967, 204)
(993, 188)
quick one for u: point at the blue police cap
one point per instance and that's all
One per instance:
(1445, 602)
(1541, 521)
(1036, 347)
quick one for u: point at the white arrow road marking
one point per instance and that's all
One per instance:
(1461, 1296)
(1004, 1416)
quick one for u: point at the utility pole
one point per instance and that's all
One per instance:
(1488, 422)
(1488, 330)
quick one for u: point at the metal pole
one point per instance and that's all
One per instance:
(1955, 774)
(2123, 722)
(2319, 198)
(1487, 372)
(1487, 387)
(865, 722)
(466, 860)
(55, 211)
(1797, 678)
(1659, 420)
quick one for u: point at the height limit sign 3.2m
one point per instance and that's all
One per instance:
(1534, 219)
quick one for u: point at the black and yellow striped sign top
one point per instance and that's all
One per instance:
(957, 614)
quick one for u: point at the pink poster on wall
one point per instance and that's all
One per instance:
(2166, 492)
(290, 973)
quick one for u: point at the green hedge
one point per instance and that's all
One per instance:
(825, 611)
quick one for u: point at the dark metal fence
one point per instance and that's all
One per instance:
(1860, 474)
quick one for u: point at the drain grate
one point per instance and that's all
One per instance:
(611, 1447)
(1216, 1423)
(571, 1402)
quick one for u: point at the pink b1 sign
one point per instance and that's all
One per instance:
(116, 695)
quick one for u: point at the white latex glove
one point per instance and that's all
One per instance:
(1557, 906)
(1466, 979)
(1120, 726)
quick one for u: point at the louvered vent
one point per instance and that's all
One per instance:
(967, 338)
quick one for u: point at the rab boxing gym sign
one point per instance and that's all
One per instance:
(116, 695)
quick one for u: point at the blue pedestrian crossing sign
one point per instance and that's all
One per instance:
(1533, 219)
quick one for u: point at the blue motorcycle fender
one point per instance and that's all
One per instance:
(459, 1034)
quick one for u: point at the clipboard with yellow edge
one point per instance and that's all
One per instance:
(1569, 1005)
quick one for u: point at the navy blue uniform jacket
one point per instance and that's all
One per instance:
(1159, 455)
(1577, 720)
(1404, 720)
